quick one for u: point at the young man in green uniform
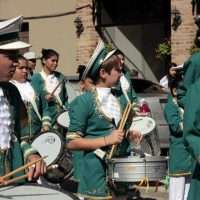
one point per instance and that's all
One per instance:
(180, 160)
(93, 117)
(37, 106)
(14, 152)
(188, 99)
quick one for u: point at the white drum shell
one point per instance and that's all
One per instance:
(63, 119)
(49, 144)
(147, 126)
(134, 169)
(33, 192)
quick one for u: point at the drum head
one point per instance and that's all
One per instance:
(143, 124)
(33, 192)
(63, 119)
(49, 144)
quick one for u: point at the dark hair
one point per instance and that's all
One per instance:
(20, 57)
(11, 54)
(119, 52)
(48, 53)
(80, 71)
(174, 82)
(108, 65)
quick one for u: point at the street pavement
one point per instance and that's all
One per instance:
(151, 194)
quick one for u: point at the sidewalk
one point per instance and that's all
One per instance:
(161, 194)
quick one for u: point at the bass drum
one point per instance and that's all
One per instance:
(34, 192)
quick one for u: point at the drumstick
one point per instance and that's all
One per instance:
(13, 180)
(7, 182)
(22, 167)
(121, 126)
(56, 87)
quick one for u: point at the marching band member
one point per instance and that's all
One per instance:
(13, 151)
(92, 119)
(86, 83)
(180, 160)
(37, 107)
(188, 99)
(32, 58)
(50, 81)
(125, 78)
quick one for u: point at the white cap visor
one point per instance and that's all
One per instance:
(14, 45)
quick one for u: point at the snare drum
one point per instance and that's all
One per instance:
(52, 145)
(63, 119)
(133, 168)
(34, 192)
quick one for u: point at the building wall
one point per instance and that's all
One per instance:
(88, 40)
(182, 39)
(60, 32)
(57, 32)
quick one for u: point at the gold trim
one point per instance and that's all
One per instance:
(46, 118)
(94, 197)
(181, 174)
(73, 135)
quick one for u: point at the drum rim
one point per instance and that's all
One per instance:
(62, 143)
(44, 186)
(130, 159)
(146, 118)
(59, 115)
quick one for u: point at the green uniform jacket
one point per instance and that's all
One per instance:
(86, 120)
(35, 122)
(54, 106)
(180, 160)
(191, 72)
(192, 134)
(15, 156)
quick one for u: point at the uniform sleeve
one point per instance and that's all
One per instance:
(172, 117)
(191, 75)
(46, 119)
(79, 110)
(192, 120)
(38, 84)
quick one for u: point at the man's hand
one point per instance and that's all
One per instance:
(2, 181)
(135, 136)
(37, 169)
(115, 137)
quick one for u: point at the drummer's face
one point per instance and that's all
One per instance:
(51, 63)
(7, 68)
(112, 78)
(122, 60)
(21, 73)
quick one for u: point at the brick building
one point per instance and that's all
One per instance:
(182, 37)
(136, 27)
